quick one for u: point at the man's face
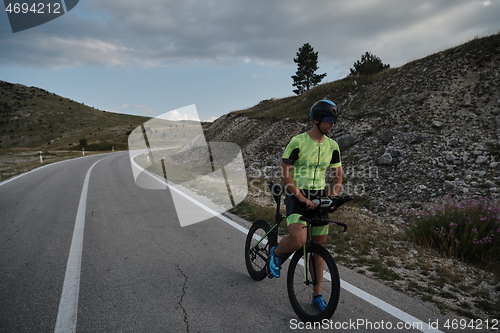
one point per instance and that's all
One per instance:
(326, 127)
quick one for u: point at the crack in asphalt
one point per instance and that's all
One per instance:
(182, 298)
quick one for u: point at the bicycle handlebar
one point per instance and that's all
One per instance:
(328, 204)
(331, 203)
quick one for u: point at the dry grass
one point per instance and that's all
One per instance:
(382, 250)
(17, 161)
(34, 118)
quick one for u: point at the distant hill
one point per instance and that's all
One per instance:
(408, 135)
(32, 117)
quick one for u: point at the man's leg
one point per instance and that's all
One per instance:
(297, 236)
(294, 241)
(321, 240)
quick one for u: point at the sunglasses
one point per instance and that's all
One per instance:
(329, 119)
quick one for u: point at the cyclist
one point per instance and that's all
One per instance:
(304, 163)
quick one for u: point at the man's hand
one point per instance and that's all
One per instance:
(309, 204)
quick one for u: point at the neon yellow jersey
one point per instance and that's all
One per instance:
(310, 160)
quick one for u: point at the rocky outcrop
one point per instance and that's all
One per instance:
(417, 133)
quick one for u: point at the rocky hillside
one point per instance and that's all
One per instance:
(409, 135)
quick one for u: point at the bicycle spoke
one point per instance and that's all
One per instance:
(257, 249)
(304, 290)
(313, 276)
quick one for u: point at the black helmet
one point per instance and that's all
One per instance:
(324, 110)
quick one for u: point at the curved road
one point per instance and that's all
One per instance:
(141, 272)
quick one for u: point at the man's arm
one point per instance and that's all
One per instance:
(337, 181)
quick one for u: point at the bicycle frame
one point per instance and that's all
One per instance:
(277, 190)
(273, 232)
(278, 218)
(313, 257)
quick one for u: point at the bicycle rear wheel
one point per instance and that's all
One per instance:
(257, 247)
(321, 271)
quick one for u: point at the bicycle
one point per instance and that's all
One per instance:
(318, 266)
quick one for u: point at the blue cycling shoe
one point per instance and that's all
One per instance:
(319, 302)
(274, 265)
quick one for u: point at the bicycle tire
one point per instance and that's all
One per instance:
(256, 258)
(300, 289)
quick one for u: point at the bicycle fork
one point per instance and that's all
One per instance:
(311, 266)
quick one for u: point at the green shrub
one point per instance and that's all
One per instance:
(468, 230)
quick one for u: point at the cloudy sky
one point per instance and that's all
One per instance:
(150, 57)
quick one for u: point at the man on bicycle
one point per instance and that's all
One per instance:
(304, 163)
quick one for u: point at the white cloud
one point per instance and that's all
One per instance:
(176, 116)
(150, 33)
(186, 113)
(211, 119)
(122, 107)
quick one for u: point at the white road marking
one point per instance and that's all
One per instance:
(43, 166)
(384, 306)
(68, 305)
(392, 310)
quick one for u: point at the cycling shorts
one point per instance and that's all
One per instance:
(296, 209)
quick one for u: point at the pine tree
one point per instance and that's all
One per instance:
(369, 65)
(307, 65)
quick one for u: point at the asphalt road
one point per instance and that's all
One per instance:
(141, 272)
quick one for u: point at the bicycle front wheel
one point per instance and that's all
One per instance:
(310, 273)
(257, 247)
